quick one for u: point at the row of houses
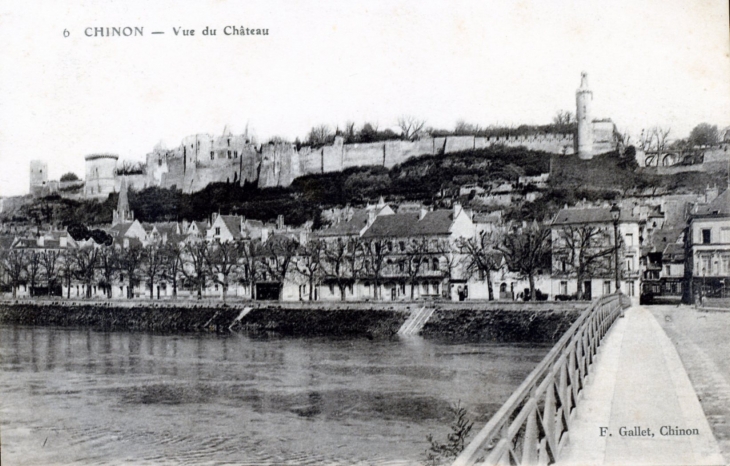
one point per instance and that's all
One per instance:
(414, 252)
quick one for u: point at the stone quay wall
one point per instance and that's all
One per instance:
(492, 321)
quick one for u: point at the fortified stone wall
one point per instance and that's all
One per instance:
(202, 159)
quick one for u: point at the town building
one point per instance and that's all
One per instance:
(584, 250)
(708, 244)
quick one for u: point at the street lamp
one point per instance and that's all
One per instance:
(615, 214)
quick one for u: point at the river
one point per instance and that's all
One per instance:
(71, 396)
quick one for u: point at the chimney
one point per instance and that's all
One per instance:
(280, 222)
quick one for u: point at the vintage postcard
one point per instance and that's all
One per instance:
(386, 232)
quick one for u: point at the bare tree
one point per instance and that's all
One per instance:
(278, 253)
(410, 127)
(108, 266)
(50, 261)
(527, 252)
(33, 270)
(375, 253)
(340, 263)
(448, 260)
(130, 261)
(195, 268)
(86, 261)
(482, 257)
(319, 135)
(309, 263)
(660, 137)
(416, 256)
(67, 269)
(222, 259)
(172, 264)
(249, 265)
(152, 265)
(583, 251)
(14, 262)
(563, 118)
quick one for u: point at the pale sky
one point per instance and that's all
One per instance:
(650, 62)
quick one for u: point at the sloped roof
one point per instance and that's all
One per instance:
(166, 227)
(352, 227)
(6, 242)
(437, 222)
(396, 225)
(673, 253)
(233, 223)
(120, 229)
(592, 215)
(720, 207)
(664, 236)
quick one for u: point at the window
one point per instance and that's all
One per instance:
(390, 246)
(564, 288)
(435, 265)
(159, 162)
(235, 154)
(629, 264)
(229, 142)
(400, 267)
(211, 155)
(726, 265)
(706, 238)
(606, 287)
(229, 154)
(667, 270)
(725, 234)
(217, 230)
(402, 245)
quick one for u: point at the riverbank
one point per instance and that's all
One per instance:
(467, 321)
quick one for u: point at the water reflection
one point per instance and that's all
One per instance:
(96, 397)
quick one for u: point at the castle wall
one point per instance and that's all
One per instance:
(190, 167)
(363, 154)
(459, 144)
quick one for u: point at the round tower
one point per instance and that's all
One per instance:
(583, 101)
(100, 175)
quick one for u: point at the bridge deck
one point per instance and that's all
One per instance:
(639, 382)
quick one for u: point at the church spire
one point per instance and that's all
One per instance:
(123, 214)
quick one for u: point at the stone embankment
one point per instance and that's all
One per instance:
(473, 321)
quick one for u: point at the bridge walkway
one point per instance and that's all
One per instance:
(639, 383)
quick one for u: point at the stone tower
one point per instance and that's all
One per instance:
(122, 214)
(38, 177)
(583, 101)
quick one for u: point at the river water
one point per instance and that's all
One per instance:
(86, 397)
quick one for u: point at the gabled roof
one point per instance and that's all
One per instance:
(352, 227)
(437, 222)
(592, 215)
(120, 229)
(720, 207)
(233, 223)
(396, 225)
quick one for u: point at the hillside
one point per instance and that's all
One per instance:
(606, 177)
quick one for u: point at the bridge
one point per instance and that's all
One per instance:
(612, 390)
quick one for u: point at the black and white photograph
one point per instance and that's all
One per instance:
(407, 232)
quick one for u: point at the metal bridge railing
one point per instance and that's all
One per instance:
(533, 424)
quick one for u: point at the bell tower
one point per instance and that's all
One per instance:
(583, 115)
